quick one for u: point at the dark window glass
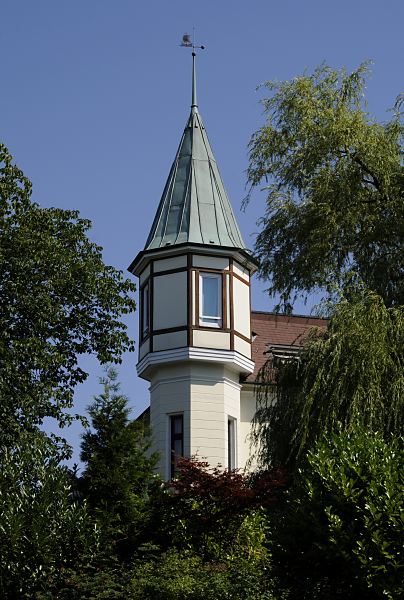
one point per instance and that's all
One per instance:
(231, 444)
(176, 440)
(145, 310)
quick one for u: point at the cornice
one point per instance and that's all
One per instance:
(196, 380)
(235, 360)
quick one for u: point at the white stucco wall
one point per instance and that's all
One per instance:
(247, 412)
(241, 271)
(215, 395)
(144, 349)
(207, 395)
(144, 275)
(166, 264)
(170, 301)
(210, 262)
(169, 394)
(241, 295)
(242, 346)
(165, 341)
(211, 339)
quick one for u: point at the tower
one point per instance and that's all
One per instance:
(195, 333)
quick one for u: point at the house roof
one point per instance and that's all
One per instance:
(194, 207)
(275, 330)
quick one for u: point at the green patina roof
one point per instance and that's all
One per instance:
(194, 206)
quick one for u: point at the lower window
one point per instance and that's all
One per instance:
(176, 441)
(231, 443)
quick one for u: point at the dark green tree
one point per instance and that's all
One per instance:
(58, 301)
(44, 531)
(335, 188)
(341, 533)
(118, 475)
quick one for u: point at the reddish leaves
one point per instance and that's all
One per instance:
(224, 492)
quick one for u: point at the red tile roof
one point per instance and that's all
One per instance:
(271, 329)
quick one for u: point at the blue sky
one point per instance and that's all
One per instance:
(95, 94)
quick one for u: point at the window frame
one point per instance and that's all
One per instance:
(216, 321)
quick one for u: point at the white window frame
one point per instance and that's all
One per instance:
(215, 321)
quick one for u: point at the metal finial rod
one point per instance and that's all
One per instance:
(194, 103)
(188, 43)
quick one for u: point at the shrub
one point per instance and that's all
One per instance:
(184, 576)
(342, 533)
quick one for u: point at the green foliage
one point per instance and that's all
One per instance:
(348, 374)
(342, 533)
(179, 575)
(184, 576)
(42, 530)
(118, 476)
(335, 222)
(58, 301)
(335, 185)
(92, 582)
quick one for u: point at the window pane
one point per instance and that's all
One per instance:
(177, 447)
(210, 297)
(177, 424)
(231, 444)
(176, 441)
(145, 308)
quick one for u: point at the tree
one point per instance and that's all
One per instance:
(217, 512)
(341, 533)
(350, 374)
(335, 184)
(58, 301)
(118, 474)
(43, 531)
(334, 414)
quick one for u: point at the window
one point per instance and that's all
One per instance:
(176, 441)
(145, 303)
(231, 443)
(210, 300)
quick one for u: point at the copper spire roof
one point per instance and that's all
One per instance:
(194, 206)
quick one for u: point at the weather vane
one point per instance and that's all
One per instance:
(188, 43)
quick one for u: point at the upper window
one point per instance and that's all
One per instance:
(145, 304)
(210, 300)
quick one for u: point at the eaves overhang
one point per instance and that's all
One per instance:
(234, 360)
